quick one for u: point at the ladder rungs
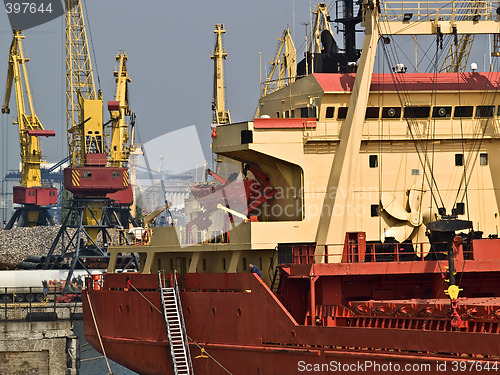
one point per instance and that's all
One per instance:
(176, 332)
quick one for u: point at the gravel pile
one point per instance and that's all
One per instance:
(18, 243)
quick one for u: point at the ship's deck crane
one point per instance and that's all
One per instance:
(89, 177)
(283, 67)
(220, 113)
(31, 194)
(458, 54)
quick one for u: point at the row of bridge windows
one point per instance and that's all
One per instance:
(480, 111)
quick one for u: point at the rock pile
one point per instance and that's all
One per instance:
(18, 243)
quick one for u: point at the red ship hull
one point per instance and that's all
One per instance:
(247, 330)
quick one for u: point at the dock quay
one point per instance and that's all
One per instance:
(38, 337)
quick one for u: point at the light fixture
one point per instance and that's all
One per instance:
(407, 17)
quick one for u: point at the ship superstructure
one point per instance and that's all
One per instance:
(369, 200)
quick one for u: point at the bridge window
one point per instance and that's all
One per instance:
(485, 111)
(330, 111)
(373, 161)
(391, 112)
(459, 159)
(417, 112)
(374, 209)
(463, 111)
(342, 113)
(441, 112)
(372, 112)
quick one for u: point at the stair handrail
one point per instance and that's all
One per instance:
(183, 325)
(175, 287)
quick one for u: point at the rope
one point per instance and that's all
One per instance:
(91, 359)
(189, 338)
(98, 334)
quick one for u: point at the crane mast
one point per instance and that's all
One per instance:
(30, 194)
(220, 113)
(83, 119)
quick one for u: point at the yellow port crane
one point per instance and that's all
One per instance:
(90, 177)
(31, 194)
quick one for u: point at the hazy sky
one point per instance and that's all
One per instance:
(169, 45)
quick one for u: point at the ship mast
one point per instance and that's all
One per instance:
(220, 113)
(330, 229)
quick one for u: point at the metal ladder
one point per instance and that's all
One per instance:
(176, 330)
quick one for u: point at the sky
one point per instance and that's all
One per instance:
(168, 45)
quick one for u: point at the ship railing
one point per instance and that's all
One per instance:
(205, 237)
(35, 303)
(420, 11)
(271, 85)
(371, 253)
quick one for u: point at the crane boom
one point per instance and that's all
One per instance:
(31, 191)
(121, 136)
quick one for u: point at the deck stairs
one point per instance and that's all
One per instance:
(176, 330)
(274, 273)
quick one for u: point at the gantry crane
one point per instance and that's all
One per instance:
(89, 177)
(31, 194)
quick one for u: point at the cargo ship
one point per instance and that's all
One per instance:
(369, 201)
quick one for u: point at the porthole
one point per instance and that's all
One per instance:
(128, 308)
(293, 334)
(120, 308)
(239, 312)
(213, 311)
(150, 309)
(188, 310)
(391, 112)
